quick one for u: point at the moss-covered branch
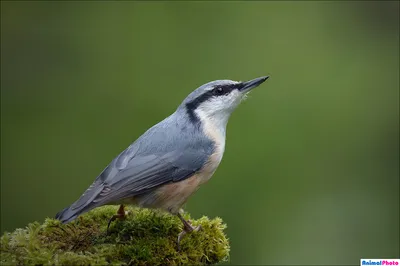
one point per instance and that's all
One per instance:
(146, 237)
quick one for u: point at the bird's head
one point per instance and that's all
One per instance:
(217, 99)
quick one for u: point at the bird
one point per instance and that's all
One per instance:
(171, 160)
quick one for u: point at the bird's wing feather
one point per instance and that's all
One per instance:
(145, 172)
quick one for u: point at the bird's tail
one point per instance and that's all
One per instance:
(66, 215)
(69, 214)
(84, 204)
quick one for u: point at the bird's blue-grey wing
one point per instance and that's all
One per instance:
(132, 173)
(147, 172)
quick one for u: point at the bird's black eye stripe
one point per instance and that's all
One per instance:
(224, 89)
(214, 92)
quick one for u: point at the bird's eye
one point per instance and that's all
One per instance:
(219, 91)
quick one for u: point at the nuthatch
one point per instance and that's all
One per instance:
(169, 162)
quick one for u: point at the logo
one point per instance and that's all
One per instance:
(392, 262)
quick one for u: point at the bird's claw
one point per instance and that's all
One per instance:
(121, 215)
(187, 228)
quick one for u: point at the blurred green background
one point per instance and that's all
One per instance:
(311, 169)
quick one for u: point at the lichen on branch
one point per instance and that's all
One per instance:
(145, 237)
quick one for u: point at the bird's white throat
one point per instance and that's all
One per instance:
(214, 126)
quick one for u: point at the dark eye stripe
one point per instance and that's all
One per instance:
(215, 92)
(224, 89)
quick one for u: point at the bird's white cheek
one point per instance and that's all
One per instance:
(235, 99)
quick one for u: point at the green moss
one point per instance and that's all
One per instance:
(146, 237)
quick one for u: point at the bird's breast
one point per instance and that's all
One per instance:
(217, 135)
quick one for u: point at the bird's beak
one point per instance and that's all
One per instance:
(251, 84)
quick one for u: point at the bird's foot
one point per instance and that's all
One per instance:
(187, 228)
(121, 215)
